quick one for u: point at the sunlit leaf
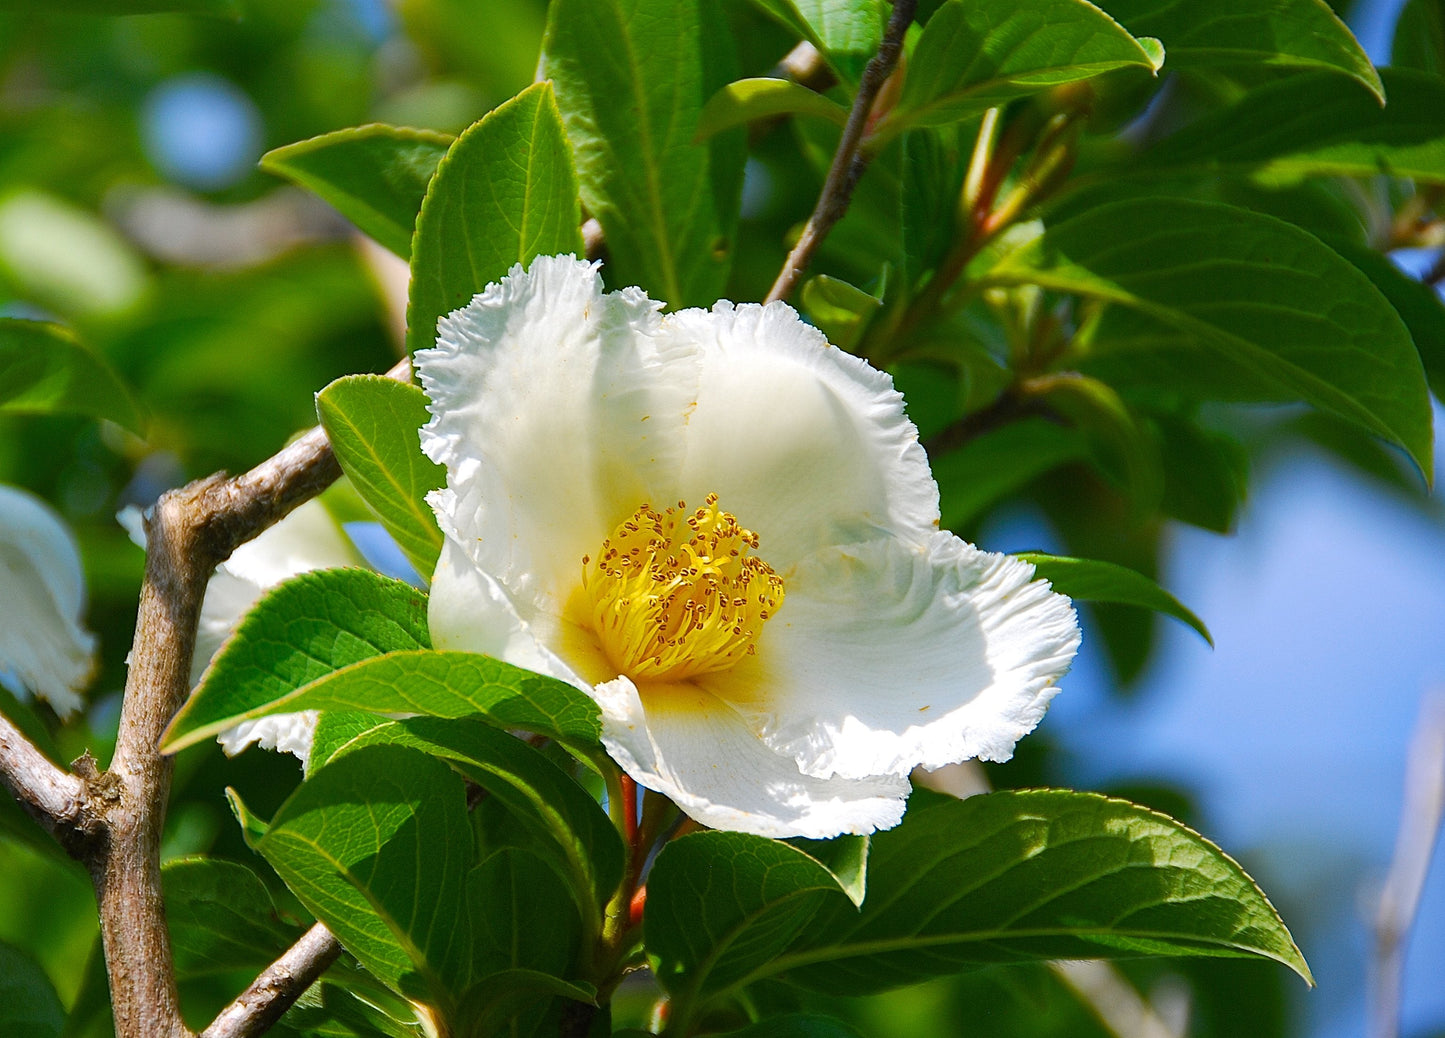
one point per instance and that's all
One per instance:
(438, 684)
(348, 843)
(720, 905)
(376, 176)
(846, 32)
(747, 100)
(300, 631)
(631, 78)
(1092, 580)
(1261, 294)
(1302, 34)
(505, 193)
(538, 794)
(372, 424)
(977, 54)
(1035, 874)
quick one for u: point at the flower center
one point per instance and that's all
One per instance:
(675, 593)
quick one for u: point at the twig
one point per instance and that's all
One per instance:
(52, 796)
(1009, 406)
(190, 532)
(278, 986)
(848, 161)
(1400, 899)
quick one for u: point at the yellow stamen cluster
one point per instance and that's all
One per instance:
(675, 593)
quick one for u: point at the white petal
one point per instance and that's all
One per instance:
(556, 415)
(43, 643)
(806, 444)
(305, 540)
(697, 751)
(468, 611)
(885, 657)
(285, 733)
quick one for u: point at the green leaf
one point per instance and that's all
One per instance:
(978, 54)
(372, 423)
(1420, 37)
(631, 79)
(1123, 452)
(1418, 305)
(840, 310)
(438, 684)
(1316, 125)
(746, 100)
(300, 631)
(1300, 34)
(505, 193)
(522, 916)
(539, 795)
(990, 467)
(1092, 580)
(28, 1002)
(348, 844)
(846, 857)
(797, 1025)
(376, 176)
(846, 32)
(1258, 292)
(221, 917)
(1034, 874)
(488, 1005)
(722, 904)
(43, 370)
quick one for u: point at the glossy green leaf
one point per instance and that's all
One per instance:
(43, 370)
(746, 100)
(846, 32)
(721, 905)
(221, 917)
(1419, 41)
(539, 795)
(1092, 580)
(1418, 305)
(348, 843)
(376, 176)
(975, 54)
(300, 631)
(506, 192)
(1317, 125)
(1301, 34)
(632, 77)
(1033, 874)
(28, 1003)
(1258, 292)
(437, 684)
(990, 467)
(372, 423)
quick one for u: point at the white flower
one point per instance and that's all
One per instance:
(43, 644)
(778, 653)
